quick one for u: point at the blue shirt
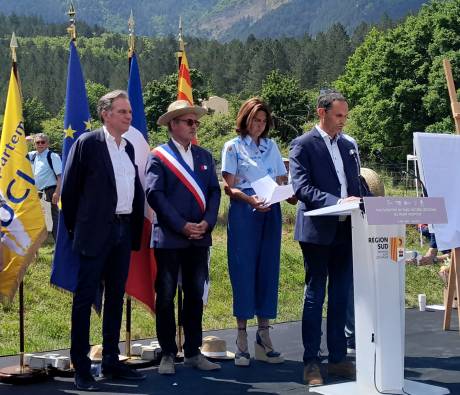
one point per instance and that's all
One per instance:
(43, 174)
(248, 162)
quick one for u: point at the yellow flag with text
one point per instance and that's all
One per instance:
(22, 220)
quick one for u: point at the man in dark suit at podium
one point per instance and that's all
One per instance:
(325, 172)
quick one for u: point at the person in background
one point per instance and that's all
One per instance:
(47, 168)
(253, 229)
(431, 256)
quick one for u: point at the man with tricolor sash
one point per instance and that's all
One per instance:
(183, 190)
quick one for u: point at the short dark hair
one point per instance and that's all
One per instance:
(247, 113)
(327, 97)
(106, 101)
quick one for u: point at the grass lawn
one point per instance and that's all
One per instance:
(47, 310)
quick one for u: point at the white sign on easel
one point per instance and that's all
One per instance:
(437, 156)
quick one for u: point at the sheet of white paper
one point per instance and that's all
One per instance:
(270, 191)
(437, 156)
(264, 187)
(281, 192)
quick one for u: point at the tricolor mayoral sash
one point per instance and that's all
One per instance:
(183, 172)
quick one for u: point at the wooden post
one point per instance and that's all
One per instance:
(21, 327)
(453, 285)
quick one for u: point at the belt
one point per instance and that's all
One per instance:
(46, 188)
(122, 217)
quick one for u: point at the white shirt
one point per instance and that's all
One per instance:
(124, 173)
(334, 151)
(185, 153)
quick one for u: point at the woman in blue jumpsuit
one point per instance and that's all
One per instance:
(254, 230)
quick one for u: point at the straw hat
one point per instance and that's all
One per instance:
(215, 348)
(374, 182)
(178, 108)
(95, 354)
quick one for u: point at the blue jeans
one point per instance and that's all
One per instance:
(111, 267)
(193, 262)
(253, 249)
(331, 263)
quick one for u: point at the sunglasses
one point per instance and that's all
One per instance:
(190, 122)
(40, 142)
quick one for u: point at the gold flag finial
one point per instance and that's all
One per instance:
(180, 37)
(72, 30)
(181, 42)
(132, 37)
(13, 46)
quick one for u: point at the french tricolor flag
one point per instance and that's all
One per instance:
(142, 270)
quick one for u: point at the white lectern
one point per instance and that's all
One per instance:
(379, 287)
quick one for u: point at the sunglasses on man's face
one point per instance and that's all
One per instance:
(40, 142)
(190, 122)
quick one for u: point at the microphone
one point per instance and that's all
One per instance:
(354, 154)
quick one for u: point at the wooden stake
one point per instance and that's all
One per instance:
(21, 327)
(453, 285)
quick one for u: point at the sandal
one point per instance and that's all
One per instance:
(264, 349)
(242, 357)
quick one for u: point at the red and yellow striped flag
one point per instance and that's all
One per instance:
(184, 84)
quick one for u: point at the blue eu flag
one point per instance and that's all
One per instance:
(64, 273)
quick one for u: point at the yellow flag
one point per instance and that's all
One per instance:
(22, 221)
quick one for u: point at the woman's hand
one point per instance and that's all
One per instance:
(258, 204)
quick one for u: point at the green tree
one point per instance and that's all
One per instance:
(34, 113)
(159, 94)
(395, 82)
(214, 131)
(94, 92)
(54, 129)
(289, 104)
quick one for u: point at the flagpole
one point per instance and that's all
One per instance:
(131, 48)
(179, 55)
(21, 326)
(13, 46)
(181, 45)
(20, 374)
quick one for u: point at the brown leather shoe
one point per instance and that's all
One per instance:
(345, 369)
(312, 374)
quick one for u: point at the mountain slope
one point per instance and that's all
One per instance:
(220, 19)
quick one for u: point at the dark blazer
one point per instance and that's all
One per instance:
(89, 195)
(173, 203)
(316, 184)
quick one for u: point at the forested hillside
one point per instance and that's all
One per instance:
(393, 79)
(228, 68)
(221, 19)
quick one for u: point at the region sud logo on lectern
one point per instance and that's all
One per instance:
(396, 248)
(388, 247)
